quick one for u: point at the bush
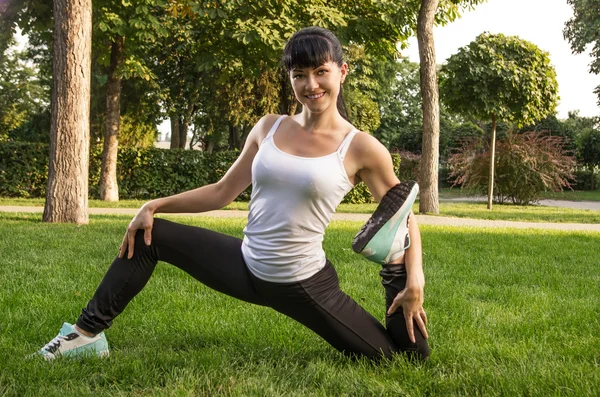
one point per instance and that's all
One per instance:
(583, 179)
(526, 165)
(411, 167)
(142, 173)
(23, 169)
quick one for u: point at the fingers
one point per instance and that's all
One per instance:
(123, 246)
(130, 242)
(421, 325)
(148, 236)
(408, 317)
(395, 303)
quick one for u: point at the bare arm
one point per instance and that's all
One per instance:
(217, 195)
(206, 198)
(376, 169)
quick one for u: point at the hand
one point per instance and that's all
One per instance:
(144, 220)
(411, 301)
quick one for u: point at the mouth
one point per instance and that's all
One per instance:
(316, 96)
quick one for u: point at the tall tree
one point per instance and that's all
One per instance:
(123, 29)
(432, 12)
(499, 78)
(582, 30)
(67, 191)
(428, 197)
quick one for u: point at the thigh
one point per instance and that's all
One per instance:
(320, 304)
(213, 258)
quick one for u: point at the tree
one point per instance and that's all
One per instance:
(589, 151)
(582, 30)
(123, 30)
(428, 196)
(499, 77)
(432, 12)
(67, 191)
(21, 94)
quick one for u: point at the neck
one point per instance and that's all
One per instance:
(314, 122)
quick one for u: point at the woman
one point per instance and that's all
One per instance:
(300, 168)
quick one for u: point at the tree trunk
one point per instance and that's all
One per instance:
(593, 178)
(210, 147)
(428, 198)
(183, 128)
(185, 125)
(174, 131)
(109, 188)
(235, 140)
(492, 161)
(67, 189)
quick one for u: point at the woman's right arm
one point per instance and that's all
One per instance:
(205, 198)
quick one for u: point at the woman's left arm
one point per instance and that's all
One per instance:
(374, 167)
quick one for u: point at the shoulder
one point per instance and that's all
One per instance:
(263, 126)
(367, 150)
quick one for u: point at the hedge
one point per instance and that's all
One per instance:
(142, 173)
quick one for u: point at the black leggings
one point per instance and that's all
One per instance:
(216, 260)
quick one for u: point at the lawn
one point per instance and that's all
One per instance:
(569, 195)
(512, 312)
(506, 212)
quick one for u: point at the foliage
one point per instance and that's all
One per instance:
(501, 77)
(137, 133)
(21, 94)
(362, 111)
(23, 169)
(582, 31)
(144, 172)
(527, 164)
(589, 144)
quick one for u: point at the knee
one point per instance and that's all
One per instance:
(140, 249)
(420, 352)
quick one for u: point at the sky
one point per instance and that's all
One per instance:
(538, 21)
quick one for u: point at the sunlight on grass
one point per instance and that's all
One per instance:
(512, 312)
(474, 210)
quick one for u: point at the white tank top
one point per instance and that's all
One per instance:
(293, 199)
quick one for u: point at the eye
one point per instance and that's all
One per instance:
(297, 76)
(321, 72)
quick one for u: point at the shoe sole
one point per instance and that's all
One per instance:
(400, 198)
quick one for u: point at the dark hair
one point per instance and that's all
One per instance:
(312, 47)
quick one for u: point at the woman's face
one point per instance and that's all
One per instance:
(317, 88)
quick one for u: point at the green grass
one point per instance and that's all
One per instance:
(475, 210)
(568, 195)
(512, 312)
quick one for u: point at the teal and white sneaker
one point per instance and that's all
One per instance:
(385, 235)
(71, 343)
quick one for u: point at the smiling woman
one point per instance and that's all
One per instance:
(300, 168)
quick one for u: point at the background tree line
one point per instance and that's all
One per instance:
(212, 69)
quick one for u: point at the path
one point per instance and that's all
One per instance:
(422, 219)
(580, 205)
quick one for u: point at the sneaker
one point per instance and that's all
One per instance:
(71, 343)
(385, 235)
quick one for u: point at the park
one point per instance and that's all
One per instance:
(508, 208)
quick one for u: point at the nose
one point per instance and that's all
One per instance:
(311, 83)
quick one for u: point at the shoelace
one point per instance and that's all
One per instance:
(53, 344)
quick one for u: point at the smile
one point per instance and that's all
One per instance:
(315, 96)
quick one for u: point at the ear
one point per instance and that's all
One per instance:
(344, 71)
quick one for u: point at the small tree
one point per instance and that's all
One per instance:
(527, 164)
(499, 77)
(589, 150)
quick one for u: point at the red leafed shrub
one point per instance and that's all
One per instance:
(526, 164)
